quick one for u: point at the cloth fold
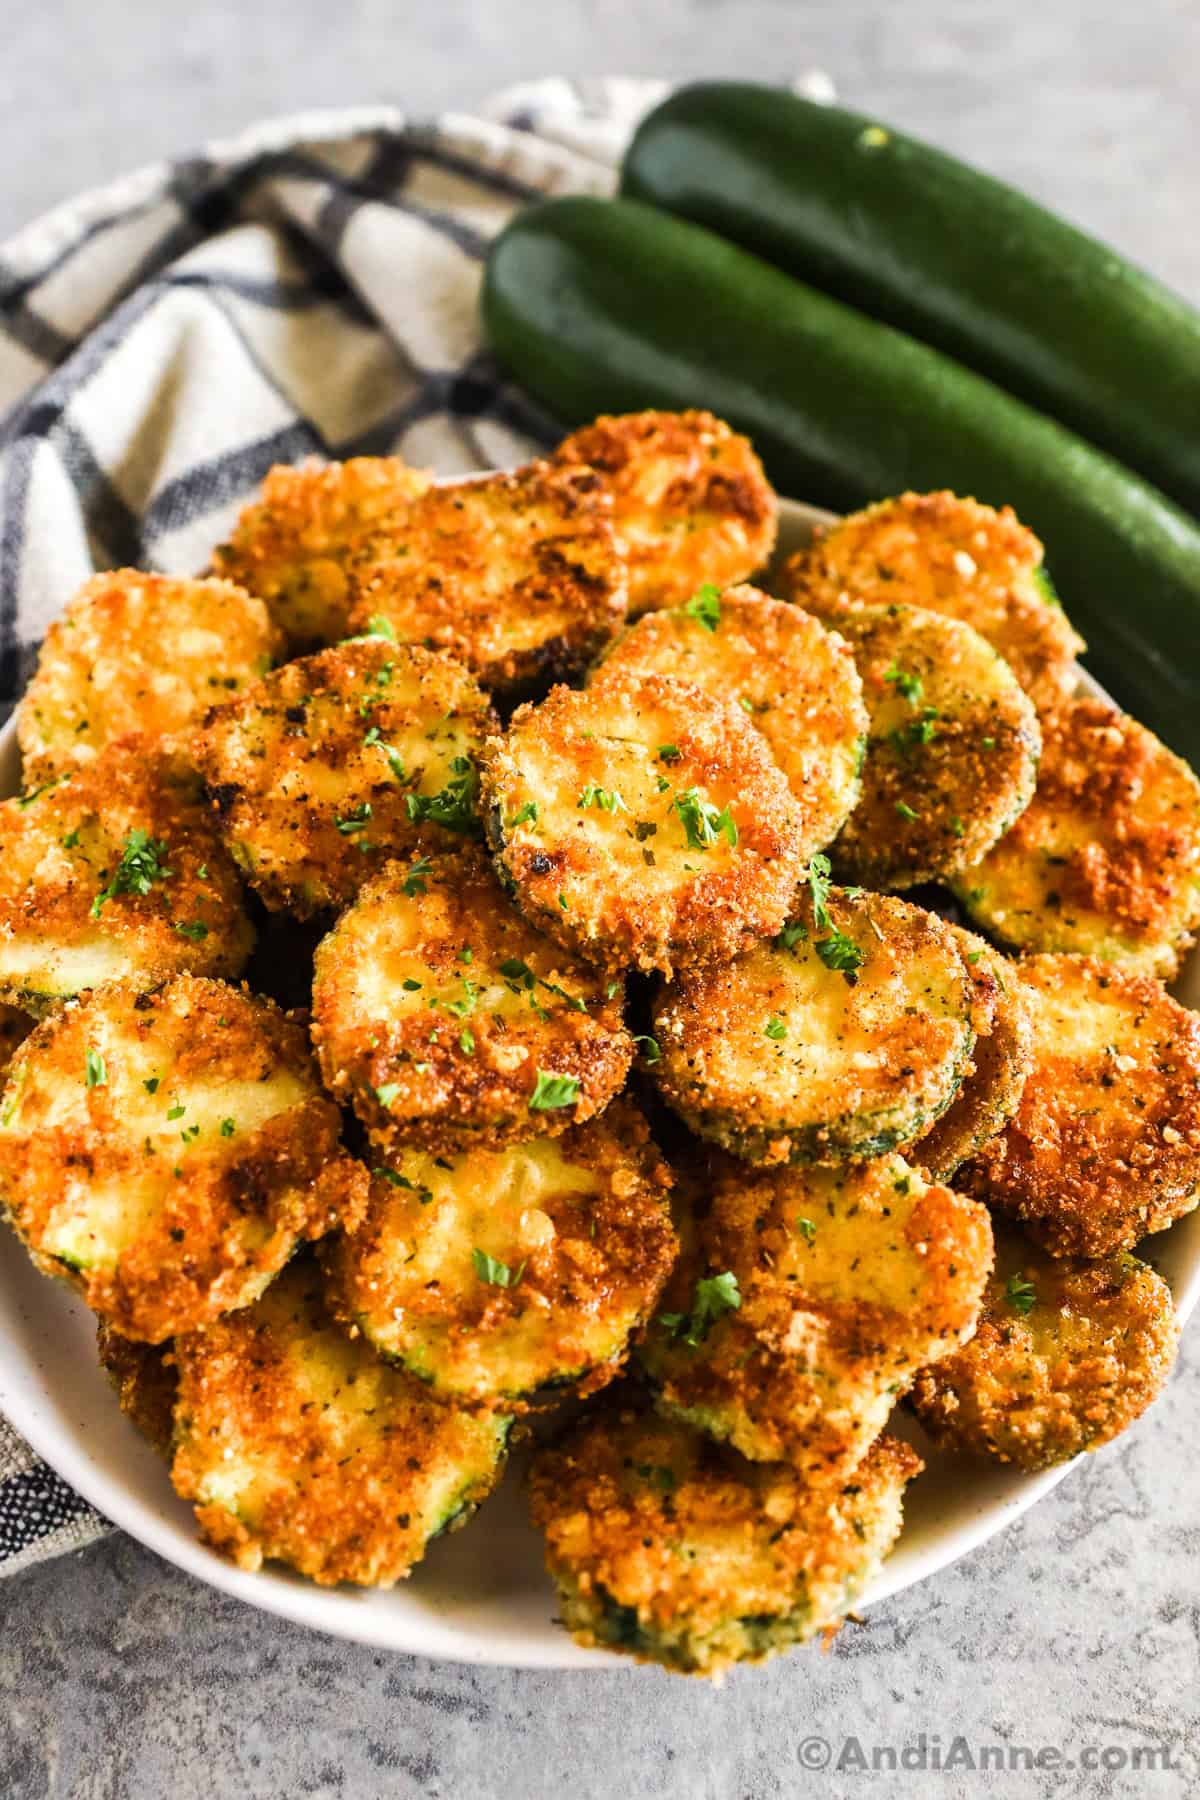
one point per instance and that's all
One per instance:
(308, 288)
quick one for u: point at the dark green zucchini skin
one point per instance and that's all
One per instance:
(923, 242)
(609, 306)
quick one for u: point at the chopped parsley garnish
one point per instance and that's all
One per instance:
(377, 627)
(387, 1093)
(911, 686)
(151, 1086)
(792, 934)
(775, 1028)
(606, 799)
(553, 1091)
(414, 881)
(703, 824)
(71, 841)
(462, 1009)
(176, 1112)
(842, 954)
(228, 1127)
(95, 1073)
(410, 986)
(818, 886)
(142, 864)
(650, 1048)
(524, 815)
(497, 1273)
(466, 1041)
(353, 821)
(454, 806)
(1020, 1294)
(394, 1178)
(194, 929)
(705, 606)
(714, 1296)
(906, 811)
(395, 761)
(807, 1229)
(669, 753)
(917, 732)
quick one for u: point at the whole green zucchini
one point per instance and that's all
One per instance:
(963, 262)
(607, 306)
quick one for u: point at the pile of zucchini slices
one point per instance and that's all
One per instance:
(507, 942)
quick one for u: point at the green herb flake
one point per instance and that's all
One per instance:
(228, 1127)
(910, 686)
(453, 807)
(524, 815)
(714, 1296)
(807, 1229)
(152, 1085)
(553, 1091)
(819, 873)
(95, 1072)
(353, 821)
(387, 1093)
(1020, 1294)
(605, 799)
(410, 986)
(705, 606)
(176, 1112)
(775, 1029)
(906, 811)
(669, 753)
(792, 934)
(496, 1273)
(650, 1048)
(703, 824)
(142, 864)
(195, 930)
(841, 954)
(414, 881)
(466, 1041)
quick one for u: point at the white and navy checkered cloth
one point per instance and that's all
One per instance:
(310, 288)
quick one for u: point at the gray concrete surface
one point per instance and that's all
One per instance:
(1080, 1628)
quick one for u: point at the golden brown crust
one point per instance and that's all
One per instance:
(847, 1283)
(292, 544)
(955, 557)
(297, 1445)
(145, 1381)
(1105, 1144)
(139, 657)
(503, 1273)
(952, 752)
(441, 1015)
(518, 575)
(1068, 1354)
(664, 833)
(115, 872)
(795, 681)
(677, 1551)
(1000, 1061)
(327, 769)
(1105, 859)
(690, 500)
(781, 1057)
(166, 1151)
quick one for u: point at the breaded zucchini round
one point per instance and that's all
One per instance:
(518, 575)
(677, 1551)
(292, 544)
(842, 1038)
(497, 1274)
(643, 822)
(690, 500)
(952, 753)
(995, 1079)
(145, 1381)
(806, 1300)
(1105, 859)
(957, 558)
(447, 1021)
(115, 872)
(1066, 1356)
(139, 656)
(796, 681)
(1105, 1144)
(337, 763)
(167, 1150)
(298, 1445)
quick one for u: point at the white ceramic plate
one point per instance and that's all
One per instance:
(481, 1595)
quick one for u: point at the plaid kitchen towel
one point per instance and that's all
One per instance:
(310, 288)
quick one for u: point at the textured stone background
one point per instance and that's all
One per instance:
(1081, 1626)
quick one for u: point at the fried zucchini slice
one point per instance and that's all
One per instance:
(643, 823)
(447, 1021)
(1105, 1144)
(293, 543)
(843, 1038)
(690, 500)
(1105, 859)
(298, 1445)
(952, 752)
(675, 1550)
(1067, 1355)
(337, 763)
(497, 1275)
(115, 872)
(518, 575)
(145, 1381)
(142, 657)
(805, 1301)
(796, 681)
(955, 557)
(166, 1151)
(994, 1080)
